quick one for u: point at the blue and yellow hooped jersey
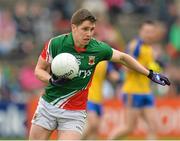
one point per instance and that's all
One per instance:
(135, 82)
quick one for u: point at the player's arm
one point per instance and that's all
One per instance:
(42, 70)
(131, 63)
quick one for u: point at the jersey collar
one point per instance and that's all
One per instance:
(79, 49)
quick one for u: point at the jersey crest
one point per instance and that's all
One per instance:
(91, 60)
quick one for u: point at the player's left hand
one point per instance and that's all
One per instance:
(158, 78)
(56, 81)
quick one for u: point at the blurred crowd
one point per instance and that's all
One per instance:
(26, 25)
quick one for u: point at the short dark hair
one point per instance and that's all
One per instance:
(149, 22)
(82, 15)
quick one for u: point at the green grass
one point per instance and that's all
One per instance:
(159, 138)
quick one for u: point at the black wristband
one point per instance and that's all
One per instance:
(150, 75)
(50, 81)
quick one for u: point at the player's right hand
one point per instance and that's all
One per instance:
(158, 78)
(57, 81)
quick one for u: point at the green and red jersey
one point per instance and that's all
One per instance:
(73, 94)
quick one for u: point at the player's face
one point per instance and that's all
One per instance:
(83, 33)
(147, 33)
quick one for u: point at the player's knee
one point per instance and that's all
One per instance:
(33, 136)
(152, 129)
(93, 126)
(129, 128)
(36, 136)
(38, 133)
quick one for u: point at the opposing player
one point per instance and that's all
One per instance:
(95, 99)
(138, 98)
(63, 105)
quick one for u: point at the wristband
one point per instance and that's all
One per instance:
(150, 75)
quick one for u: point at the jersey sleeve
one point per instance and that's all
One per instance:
(46, 52)
(106, 51)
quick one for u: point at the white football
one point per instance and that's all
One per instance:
(65, 65)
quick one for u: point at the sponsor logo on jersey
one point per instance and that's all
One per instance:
(85, 73)
(91, 60)
(66, 75)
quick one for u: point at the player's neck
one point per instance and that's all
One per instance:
(78, 45)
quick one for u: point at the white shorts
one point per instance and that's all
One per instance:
(52, 117)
